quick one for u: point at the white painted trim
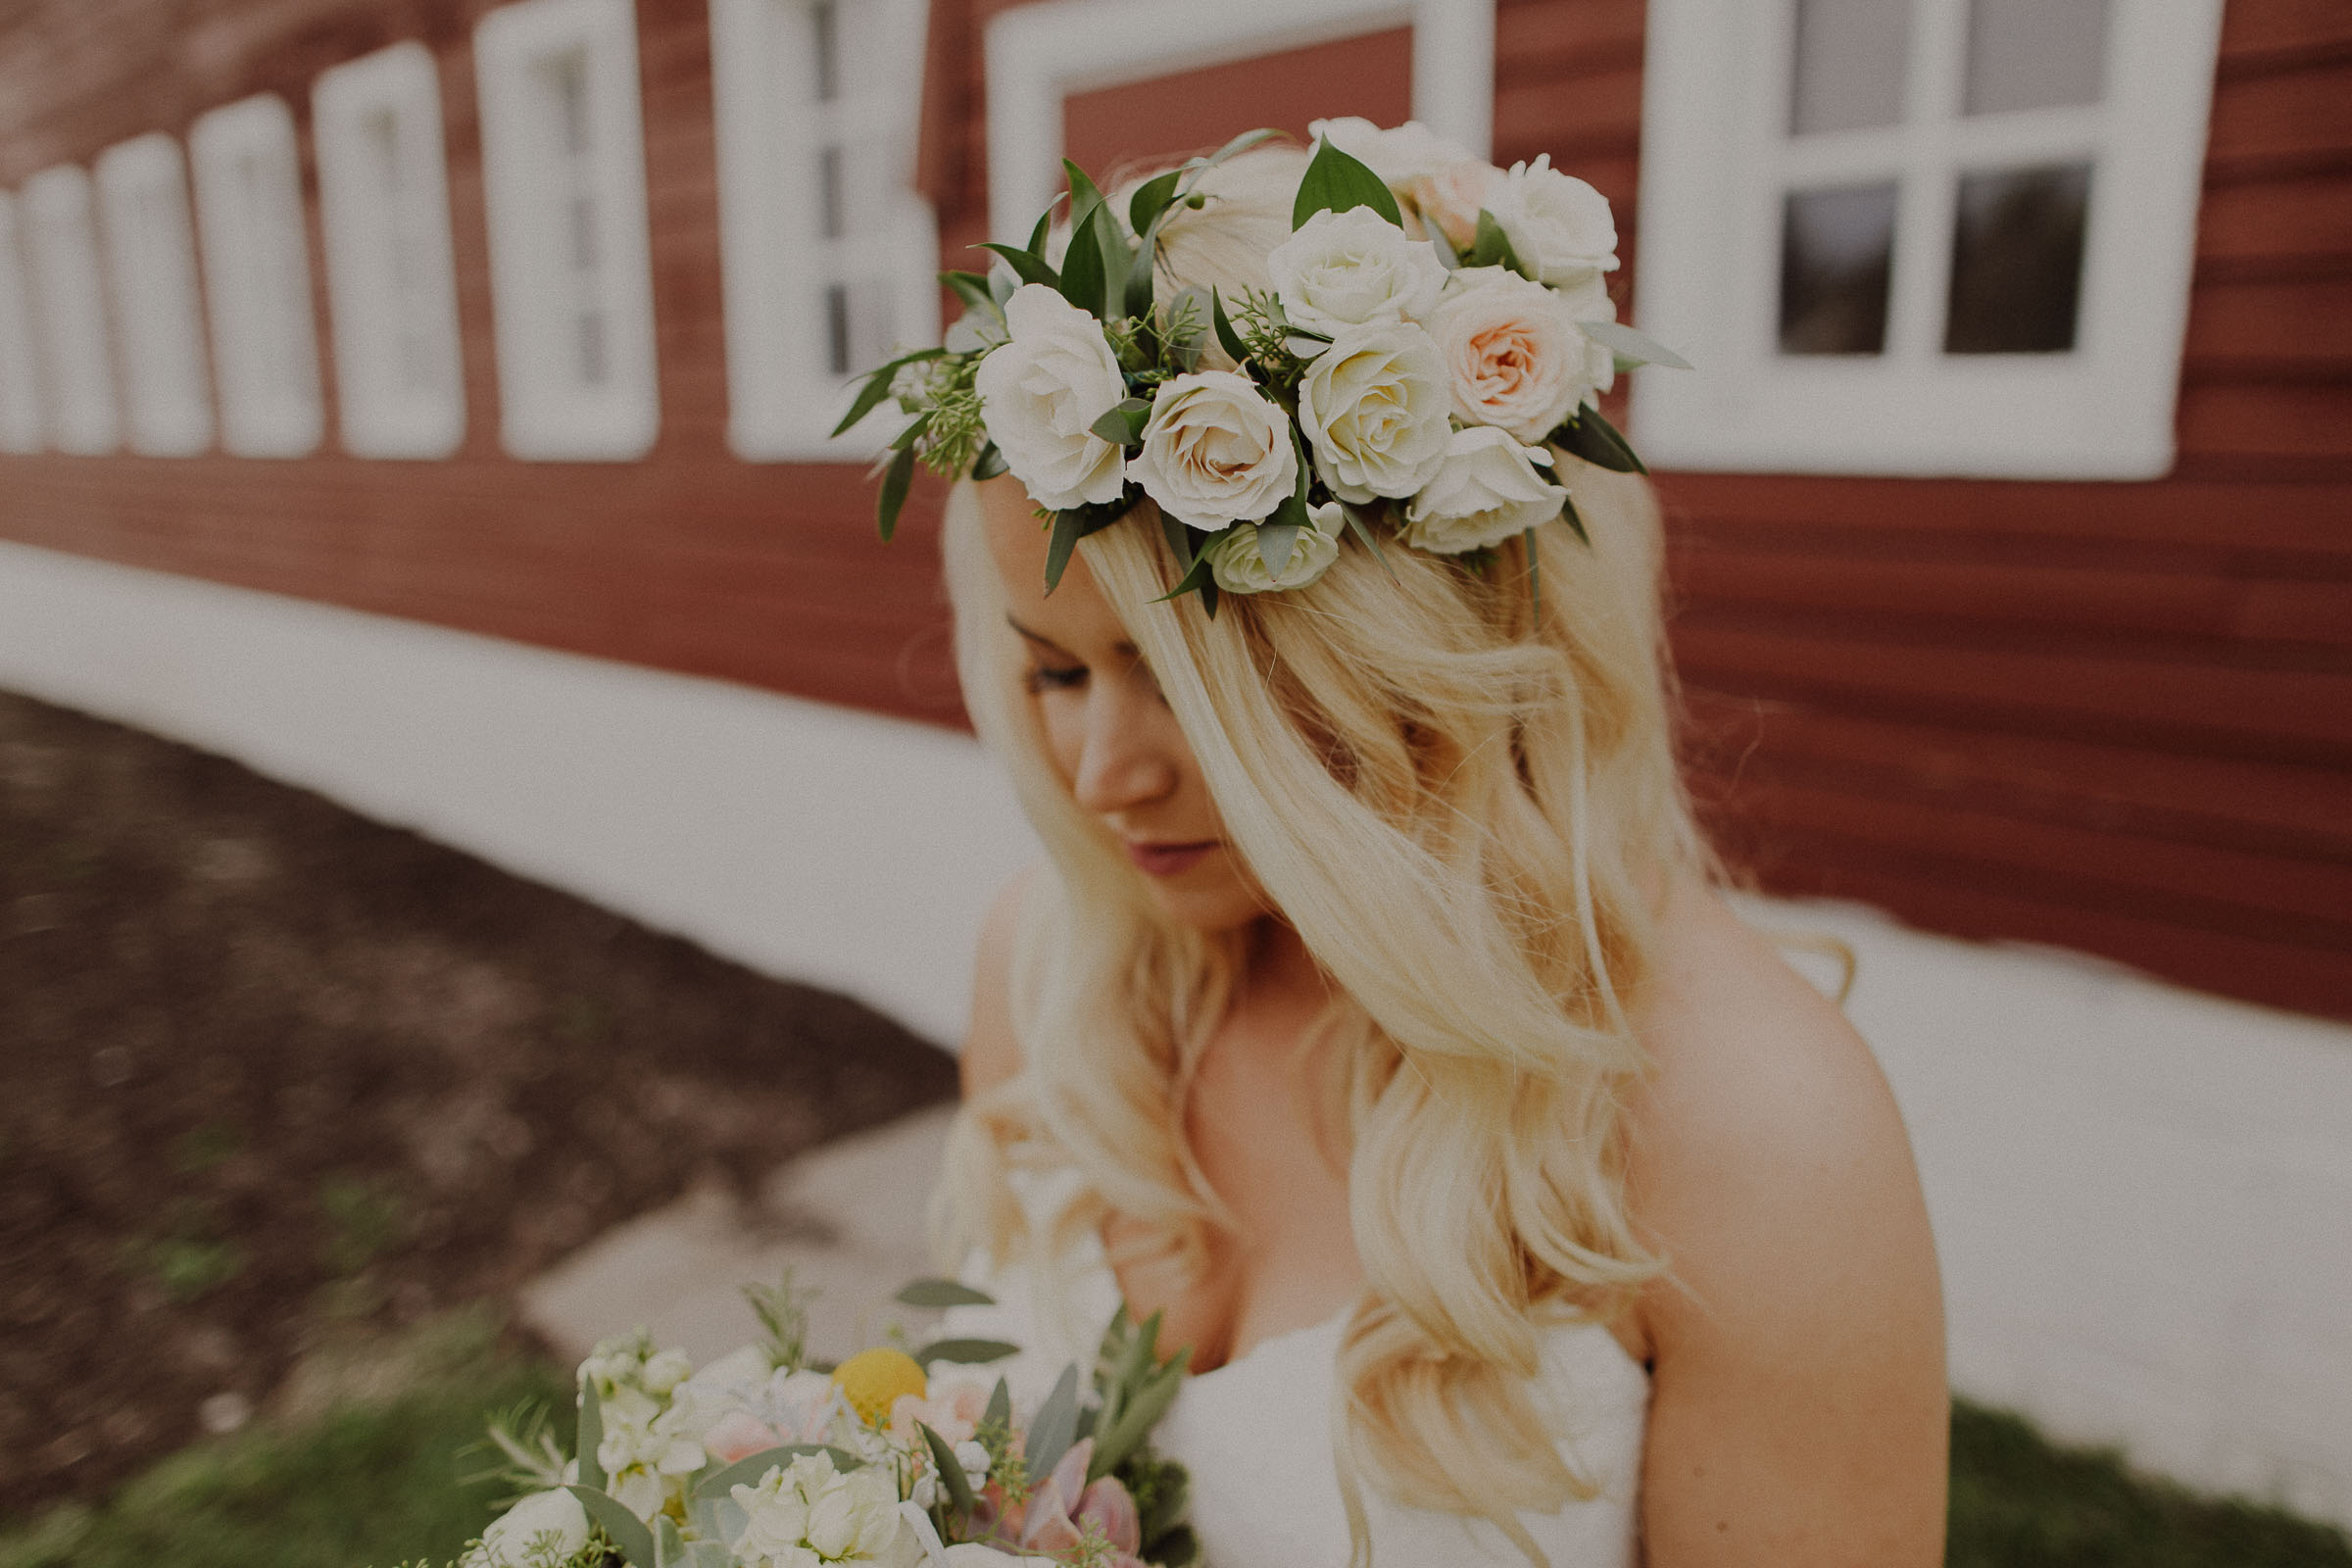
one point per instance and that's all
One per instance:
(572, 297)
(1715, 164)
(150, 245)
(68, 317)
(1038, 55)
(783, 398)
(22, 424)
(383, 206)
(257, 276)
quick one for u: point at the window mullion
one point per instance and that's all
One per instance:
(1922, 242)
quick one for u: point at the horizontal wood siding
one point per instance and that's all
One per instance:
(2113, 718)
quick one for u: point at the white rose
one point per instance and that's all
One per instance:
(1374, 408)
(1398, 156)
(1216, 451)
(1487, 491)
(1238, 562)
(1515, 354)
(1559, 226)
(544, 1527)
(1355, 268)
(1452, 199)
(1040, 394)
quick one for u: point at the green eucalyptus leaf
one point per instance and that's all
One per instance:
(1030, 267)
(628, 1531)
(1335, 182)
(1116, 1440)
(746, 1471)
(895, 480)
(1151, 199)
(1054, 1427)
(965, 1352)
(669, 1547)
(951, 1472)
(990, 463)
(942, 1293)
(1226, 335)
(1123, 423)
(1593, 438)
(1275, 543)
(1067, 526)
(1628, 344)
(591, 1435)
(1000, 1404)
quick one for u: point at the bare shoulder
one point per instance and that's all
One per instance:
(1796, 1338)
(992, 1048)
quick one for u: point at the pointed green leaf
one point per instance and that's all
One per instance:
(1138, 293)
(1115, 1442)
(1084, 192)
(591, 1435)
(1066, 527)
(990, 463)
(1535, 570)
(1045, 226)
(951, 1472)
(1594, 439)
(943, 1293)
(1082, 266)
(1275, 543)
(877, 386)
(746, 1471)
(896, 479)
(916, 427)
(1000, 1404)
(628, 1531)
(1628, 344)
(1357, 526)
(1151, 199)
(1198, 578)
(1440, 243)
(669, 1547)
(1180, 540)
(1574, 524)
(1123, 423)
(1238, 144)
(1054, 1427)
(1031, 267)
(1209, 598)
(1335, 182)
(964, 1353)
(1226, 335)
(1494, 247)
(972, 290)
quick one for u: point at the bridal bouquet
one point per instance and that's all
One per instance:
(909, 1459)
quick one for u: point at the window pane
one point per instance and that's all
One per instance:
(1850, 60)
(1837, 257)
(2034, 54)
(2017, 261)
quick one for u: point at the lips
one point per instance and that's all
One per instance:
(1168, 859)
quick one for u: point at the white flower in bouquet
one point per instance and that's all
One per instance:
(645, 1446)
(1374, 409)
(1216, 451)
(1490, 489)
(1237, 559)
(1353, 268)
(1043, 391)
(1452, 199)
(812, 1513)
(1399, 155)
(1516, 353)
(1557, 224)
(544, 1528)
(743, 1404)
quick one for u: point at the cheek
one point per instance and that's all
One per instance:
(1061, 715)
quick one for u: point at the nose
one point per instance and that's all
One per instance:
(1125, 760)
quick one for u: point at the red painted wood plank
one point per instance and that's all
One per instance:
(2272, 26)
(2281, 116)
(2300, 328)
(2302, 224)
(2258, 421)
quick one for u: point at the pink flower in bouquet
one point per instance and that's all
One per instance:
(1449, 200)
(954, 1412)
(738, 1435)
(1055, 1517)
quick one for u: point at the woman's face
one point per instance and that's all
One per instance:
(1107, 729)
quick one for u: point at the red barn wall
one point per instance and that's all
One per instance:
(2116, 717)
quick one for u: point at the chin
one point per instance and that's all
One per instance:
(1209, 902)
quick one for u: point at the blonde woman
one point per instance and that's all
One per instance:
(1376, 1018)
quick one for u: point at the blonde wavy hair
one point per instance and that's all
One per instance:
(1464, 798)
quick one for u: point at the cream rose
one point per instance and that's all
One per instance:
(518, 1537)
(1557, 224)
(1489, 490)
(1374, 406)
(1040, 394)
(814, 1512)
(1399, 155)
(1217, 451)
(1236, 558)
(1452, 199)
(1516, 355)
(1355, 268)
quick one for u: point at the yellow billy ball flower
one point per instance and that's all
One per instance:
(872, 1380)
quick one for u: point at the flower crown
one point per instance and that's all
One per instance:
(1426, 388)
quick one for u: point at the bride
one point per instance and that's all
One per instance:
(1376, 1017)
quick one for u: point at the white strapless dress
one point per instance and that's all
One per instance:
(1254, 1435)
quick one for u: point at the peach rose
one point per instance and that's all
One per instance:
(1449, 201)
(1516, 353)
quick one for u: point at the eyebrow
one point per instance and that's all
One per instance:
(1126, 647)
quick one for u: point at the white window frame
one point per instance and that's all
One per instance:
(1038, 54)
(257, 277)
(1716, 161)
(61, 250)
(391, 276)
(539, 302)
(23, 425)
(150, 245)
(782, 398)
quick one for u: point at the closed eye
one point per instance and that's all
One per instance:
(1053, 678)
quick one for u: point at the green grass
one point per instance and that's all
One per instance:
(374, 1480)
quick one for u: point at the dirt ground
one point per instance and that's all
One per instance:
(268, 1070)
